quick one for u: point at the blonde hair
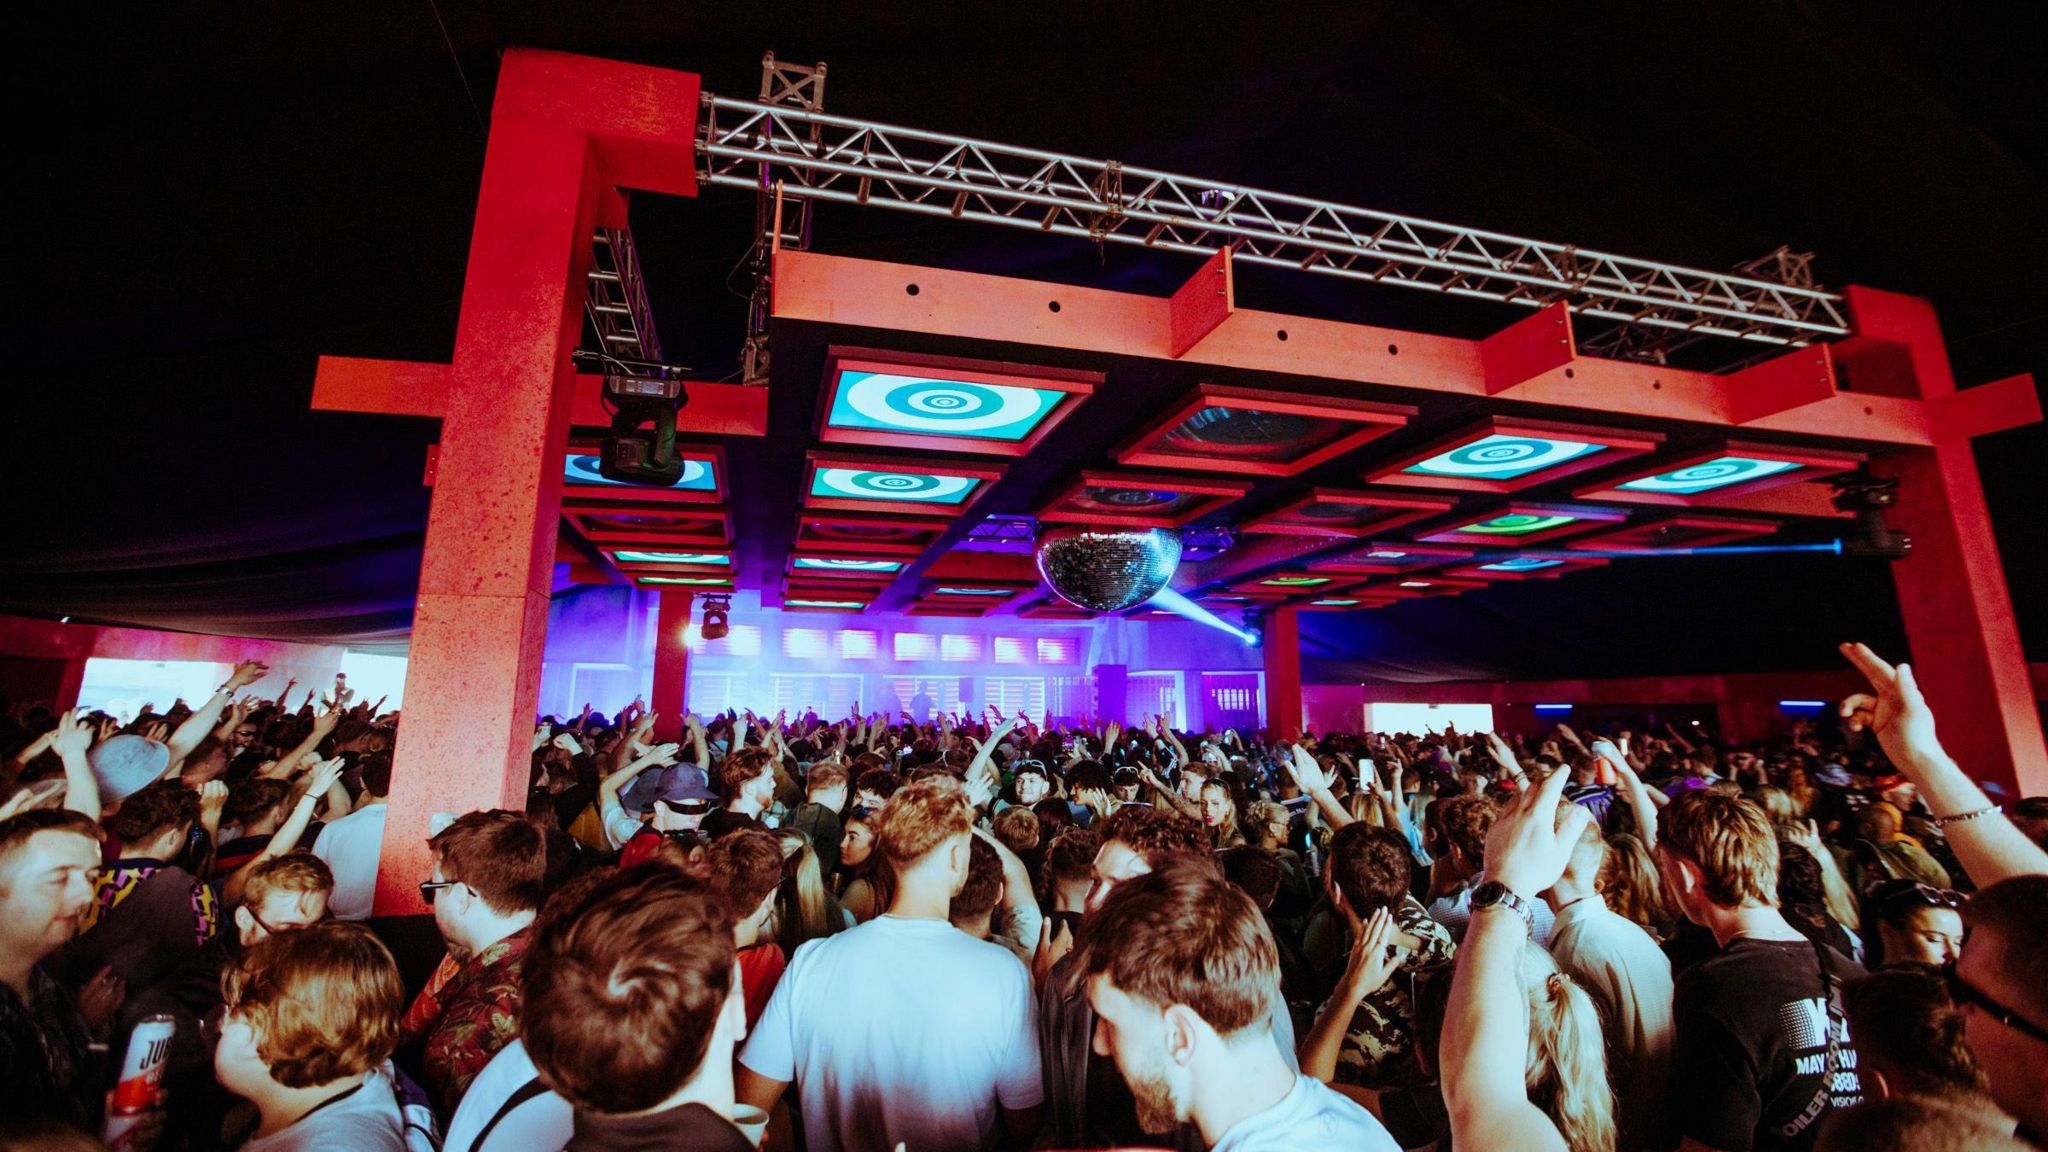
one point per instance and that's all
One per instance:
(1630, 884)
(1566, 1072)
(1731, 841)
(920, 817)
(324, 1002)
(806, 915)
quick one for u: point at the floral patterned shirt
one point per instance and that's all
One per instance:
(479, 1014)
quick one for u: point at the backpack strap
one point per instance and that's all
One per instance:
(520, 1095)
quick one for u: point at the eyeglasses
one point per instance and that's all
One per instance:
(280, 929)
(429, 887)
(1963, 992)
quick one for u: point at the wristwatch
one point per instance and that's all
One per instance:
(1493, 893)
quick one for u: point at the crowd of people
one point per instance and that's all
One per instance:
(871, 933)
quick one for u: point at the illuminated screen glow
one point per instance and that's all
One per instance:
(916, 646)
(1337, 603)
(854, 605)
(1518, 524)
(1058, 650)
(698, 475)
(958, 648)
(716, 558)
(952, 590)
(688, 581)
(1417, 584)
(827, 564)
(1503, 456)
(803, 643)
(1385, 554)
(1295, 581)
(1520, 564)
(1716, 473)
(898, 487)
(1011, 650)
(929, 406)
(856, 644)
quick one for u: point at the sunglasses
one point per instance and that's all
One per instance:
(429, 887)
(1964, 993)
(1918, 896)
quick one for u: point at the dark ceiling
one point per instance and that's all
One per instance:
(212, 204)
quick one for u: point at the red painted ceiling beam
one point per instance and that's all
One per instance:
(1795, 392)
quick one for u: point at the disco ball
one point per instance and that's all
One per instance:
(1107, 569)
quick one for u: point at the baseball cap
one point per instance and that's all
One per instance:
(125, 764)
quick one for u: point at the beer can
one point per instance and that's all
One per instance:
(128, 1132)
(142, 1069)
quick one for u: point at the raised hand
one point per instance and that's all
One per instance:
(1307, 774)
(213, 797)
(1894, 709)
(1529, 844)
(323, 776)
(73, 735)
(246, 673)
(1375, 957)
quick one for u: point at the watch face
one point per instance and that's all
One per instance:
(1488, 894)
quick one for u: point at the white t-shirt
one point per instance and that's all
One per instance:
(351, 846)
(1308, 1119)
(901, 1030)
(366, 1120)
(543, 1123)
(1629, 977)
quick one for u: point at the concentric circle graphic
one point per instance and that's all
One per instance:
(1710, 474)
(915, 487)
(945, 407)
(837, 565)
(1502, 456)
(583, 470)
(1517, 524)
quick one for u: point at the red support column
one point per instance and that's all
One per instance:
(1282, 650)
(1952, 594)
(565, 131)
(481, 620)
(671, 665)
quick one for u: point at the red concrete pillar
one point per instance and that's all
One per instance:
(1959, 621)
(481, 621)
(1282, 650)
(671, 665)
(1952, 594)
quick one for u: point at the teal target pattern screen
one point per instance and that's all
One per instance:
(924, 406)
(1503, 457)
(907, 487)
(1712, 474)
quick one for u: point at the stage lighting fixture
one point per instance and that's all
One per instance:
(634, 453)
(1867, 497)
(1107, 569)
(715, 623)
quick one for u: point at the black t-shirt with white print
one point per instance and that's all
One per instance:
(1751, 1063)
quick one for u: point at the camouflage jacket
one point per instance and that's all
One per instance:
(1379, 1047)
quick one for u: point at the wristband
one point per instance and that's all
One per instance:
(1960, 817)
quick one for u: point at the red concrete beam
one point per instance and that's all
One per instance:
(1202, 304)
(1787, 394)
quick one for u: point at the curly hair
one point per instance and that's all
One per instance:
(323, 1001)
(1152, 832)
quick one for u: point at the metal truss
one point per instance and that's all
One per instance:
(815, 156)
(617, 304)
(800, 88)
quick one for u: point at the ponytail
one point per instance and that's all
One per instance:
(1566, 1072)
(806, 914)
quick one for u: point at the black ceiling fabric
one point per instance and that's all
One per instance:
(206, 206)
